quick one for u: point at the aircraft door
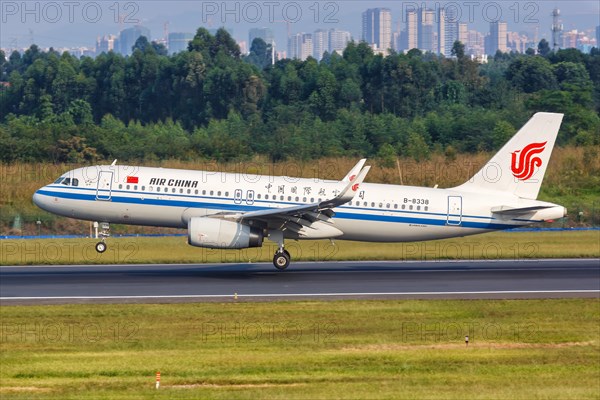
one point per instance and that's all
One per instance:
(454, 211)
(104, 190)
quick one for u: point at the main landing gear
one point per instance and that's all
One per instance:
(103, 234)
(282, 258)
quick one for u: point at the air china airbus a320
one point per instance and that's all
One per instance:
(223, 211)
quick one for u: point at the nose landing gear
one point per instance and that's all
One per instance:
(104, 233)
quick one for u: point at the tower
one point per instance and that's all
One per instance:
(557, 29)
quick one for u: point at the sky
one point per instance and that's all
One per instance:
(72, 23)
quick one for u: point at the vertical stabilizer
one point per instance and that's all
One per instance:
(519, 167)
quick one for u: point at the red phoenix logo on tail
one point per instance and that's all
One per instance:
(524, 167)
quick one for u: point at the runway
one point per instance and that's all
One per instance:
(506, 279)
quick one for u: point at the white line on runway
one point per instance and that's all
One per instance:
(216, 296)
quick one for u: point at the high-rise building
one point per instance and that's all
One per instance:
(129, 36)
(426, 38)
(105, 44)
(300, 46)
(517, 42)
(497, 38)
(320, 41)
(178, 41)
(338, 40)
(463, 33)
(475, 43)
(377, 28)
(412, 30)
(448, 30)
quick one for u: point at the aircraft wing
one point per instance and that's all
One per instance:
(312, 220)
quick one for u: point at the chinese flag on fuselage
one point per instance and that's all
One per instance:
(132, 179)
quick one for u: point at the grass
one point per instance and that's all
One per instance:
(521, 349)
(497, 245)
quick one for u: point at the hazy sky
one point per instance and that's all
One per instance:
(72, 23)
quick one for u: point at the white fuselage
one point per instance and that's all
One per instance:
(378, 213)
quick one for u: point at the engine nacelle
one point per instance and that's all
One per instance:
(217, 233)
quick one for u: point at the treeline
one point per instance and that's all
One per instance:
(212, 102)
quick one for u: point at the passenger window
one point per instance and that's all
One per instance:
(196, 191)
(144, 188)
(127, 187)
(120, 186)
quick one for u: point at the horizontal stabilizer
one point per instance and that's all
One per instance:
(504, 210)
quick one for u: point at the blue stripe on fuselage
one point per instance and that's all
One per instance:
(242, 208)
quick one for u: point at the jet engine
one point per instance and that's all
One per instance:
(217, 233)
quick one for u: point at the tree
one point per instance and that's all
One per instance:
(531, 74)
(141, 44)
(544, 48)
(260, 53)
(159, 48)
(458, 50)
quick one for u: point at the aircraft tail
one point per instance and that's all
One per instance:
(520, 165)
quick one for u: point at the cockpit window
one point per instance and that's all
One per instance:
(67, 181)
(75, 182)
(58, 180)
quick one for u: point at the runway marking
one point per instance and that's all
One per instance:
(240, 295)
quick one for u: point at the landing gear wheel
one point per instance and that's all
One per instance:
(101, 247)
(281, 260)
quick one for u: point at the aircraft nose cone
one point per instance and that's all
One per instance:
(40, 200)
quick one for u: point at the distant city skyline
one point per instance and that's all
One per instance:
(84, 25)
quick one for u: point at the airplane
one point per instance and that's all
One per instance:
(231, 211)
